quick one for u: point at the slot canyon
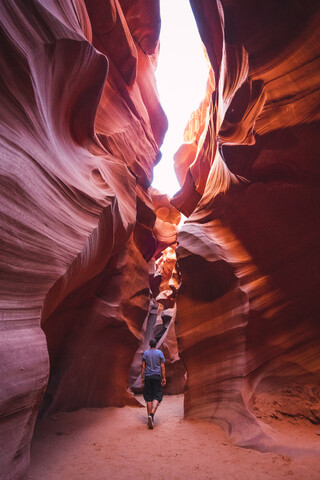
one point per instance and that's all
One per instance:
(95, 261)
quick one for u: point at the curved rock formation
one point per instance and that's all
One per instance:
(81, 127)
(164, 284)
(247, 311)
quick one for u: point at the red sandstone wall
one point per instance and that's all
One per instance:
(248, 309)
(81, 127)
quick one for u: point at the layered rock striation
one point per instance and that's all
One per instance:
(247, 311)
(81, 127)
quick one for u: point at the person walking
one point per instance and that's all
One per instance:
(153, 377)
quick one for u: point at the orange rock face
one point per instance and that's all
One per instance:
(164, 284)
(81, 127)
(247, 311)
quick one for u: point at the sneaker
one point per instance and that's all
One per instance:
(150, 421)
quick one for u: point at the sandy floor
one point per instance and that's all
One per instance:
(115, 443)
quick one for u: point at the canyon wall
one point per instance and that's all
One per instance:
(248, 310)
(81, 127)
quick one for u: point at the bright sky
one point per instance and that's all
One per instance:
(181, 76)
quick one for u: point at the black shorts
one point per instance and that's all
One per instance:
(152, 388)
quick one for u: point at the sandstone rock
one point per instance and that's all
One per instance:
(160, 324)
(81, 127)
(248, 306)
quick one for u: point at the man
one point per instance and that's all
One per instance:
(153, 377)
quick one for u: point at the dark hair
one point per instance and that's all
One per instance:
(153, 342)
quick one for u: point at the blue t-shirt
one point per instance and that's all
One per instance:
(153, 358)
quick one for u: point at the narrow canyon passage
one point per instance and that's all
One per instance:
(94, 259)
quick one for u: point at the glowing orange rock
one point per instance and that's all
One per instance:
(164, 283)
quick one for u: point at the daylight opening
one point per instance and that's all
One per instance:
(181, 75)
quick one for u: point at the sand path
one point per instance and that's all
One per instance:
(115, 443)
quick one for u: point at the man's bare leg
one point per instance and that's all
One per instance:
(155, 405)
(151, 408)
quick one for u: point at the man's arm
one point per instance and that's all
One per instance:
(163, 374)
(142, 371)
